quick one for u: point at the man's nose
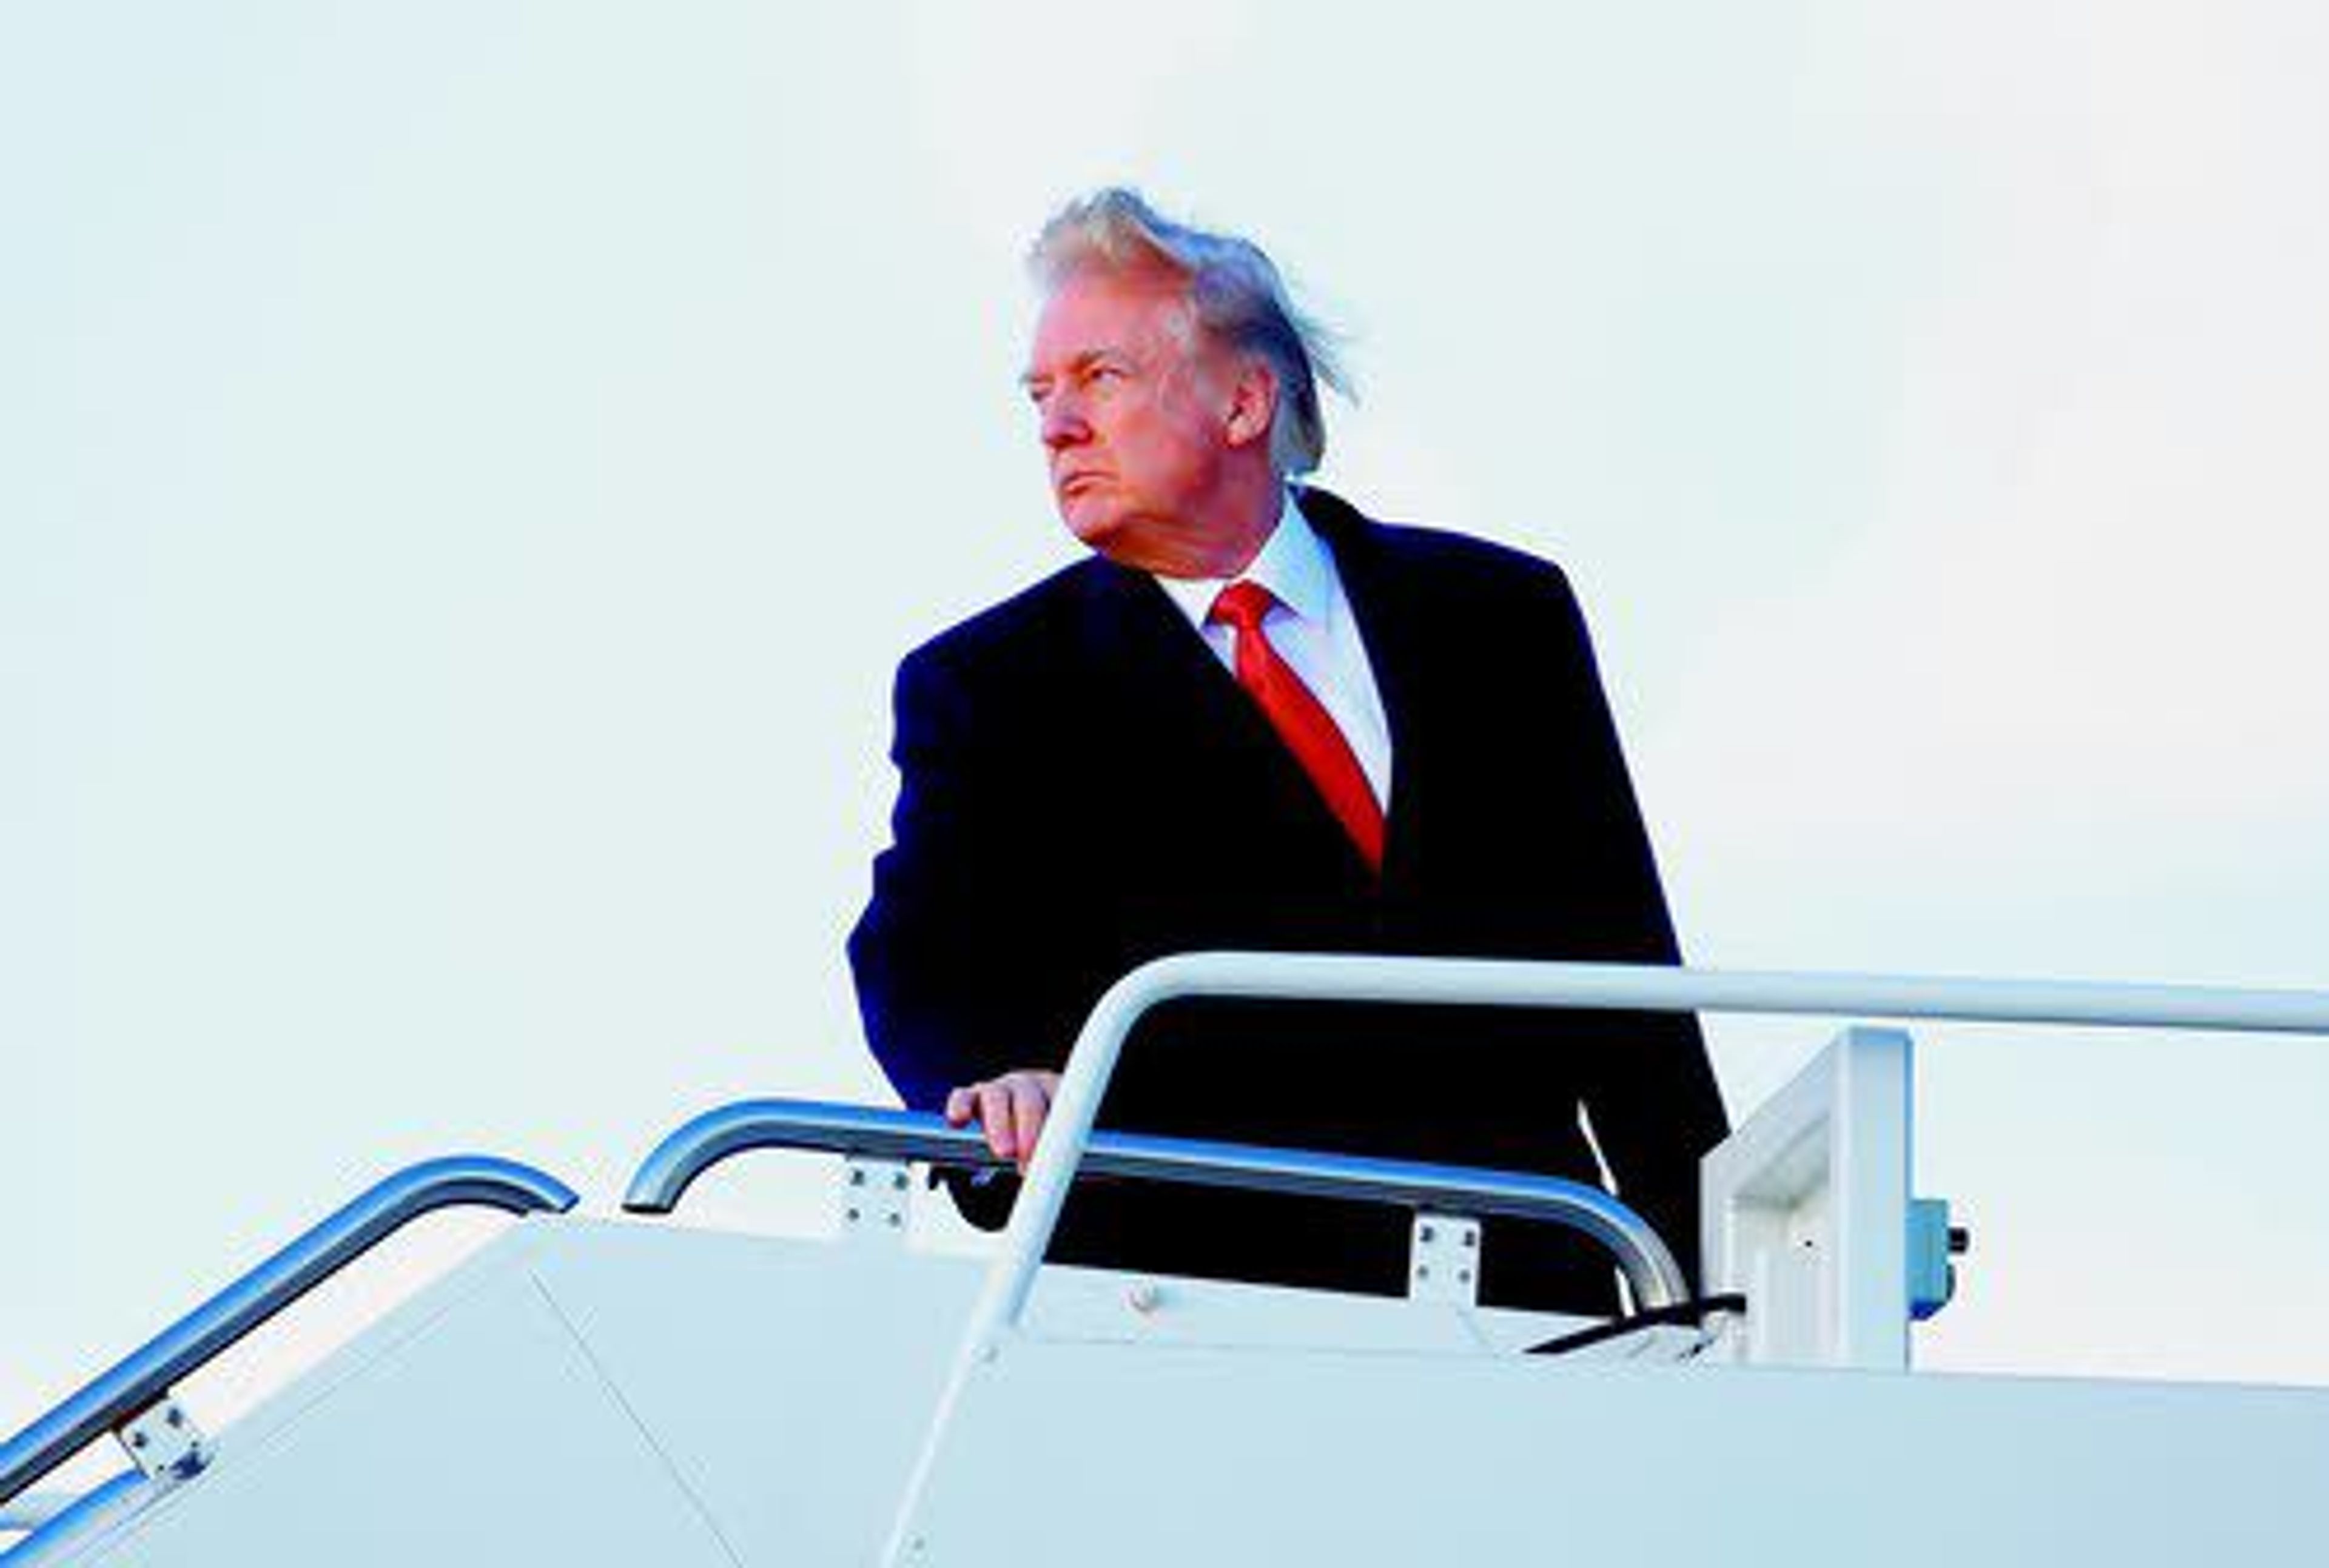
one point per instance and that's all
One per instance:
(1063, 424)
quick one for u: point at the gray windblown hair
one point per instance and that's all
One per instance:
(1238, 295)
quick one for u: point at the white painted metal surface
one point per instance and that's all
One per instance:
(591, 1393)
(1804, 1209)
(1443, 1258)
(1232, 1457)
(475, 1428)
(876, 1199)
(585, 1394)
(164, 1441)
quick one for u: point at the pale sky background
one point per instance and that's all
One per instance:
(467, 470)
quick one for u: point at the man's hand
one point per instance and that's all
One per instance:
(1009, 1108)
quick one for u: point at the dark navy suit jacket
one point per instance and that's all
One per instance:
(1084, 787)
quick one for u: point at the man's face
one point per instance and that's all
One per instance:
(1138, 419)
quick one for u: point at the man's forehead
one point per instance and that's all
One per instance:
(1092, 311)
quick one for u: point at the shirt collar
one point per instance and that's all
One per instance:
(1292, 565)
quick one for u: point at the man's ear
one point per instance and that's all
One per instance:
(1253, 399)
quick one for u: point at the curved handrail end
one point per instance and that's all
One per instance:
(146, 1373)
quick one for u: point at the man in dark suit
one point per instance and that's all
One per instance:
(1255, 718)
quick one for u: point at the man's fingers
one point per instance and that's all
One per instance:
(1029, 1105)
(995, 1115)
(1009, 1110)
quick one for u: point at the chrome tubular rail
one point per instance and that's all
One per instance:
(705, 1141)
(50, 1528)
(145, 1373)
(31, 1511)
(1515, 983)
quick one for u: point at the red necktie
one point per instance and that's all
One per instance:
(1302, 722)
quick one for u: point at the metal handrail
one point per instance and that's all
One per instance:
(30, 1511)
(146, 1373)
(1512, 982)
(1515, 982)
(57, 1527)
(702, 1142)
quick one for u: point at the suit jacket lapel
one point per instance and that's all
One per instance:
(1186, 704)
(1397, 651)
(1170, 683)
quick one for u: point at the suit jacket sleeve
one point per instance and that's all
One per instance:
(1651, 1098)
(931, 1001)
(966, 886)
(956, 894)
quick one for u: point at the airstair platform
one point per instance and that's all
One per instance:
(614, 1389)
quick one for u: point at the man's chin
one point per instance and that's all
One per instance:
(1129, 540)
(1095, 525)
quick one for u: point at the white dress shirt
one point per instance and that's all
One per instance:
(1312, 629)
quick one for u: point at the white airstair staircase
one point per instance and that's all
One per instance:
(617, 1390)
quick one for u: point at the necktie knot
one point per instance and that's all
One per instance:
(1242, 605)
